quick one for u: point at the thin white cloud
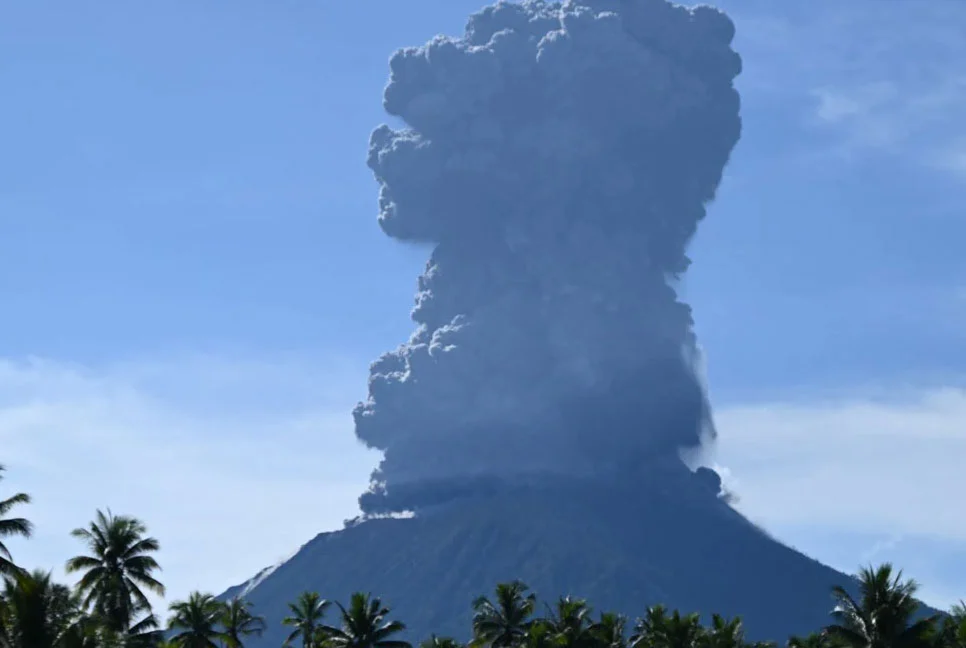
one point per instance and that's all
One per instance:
(875, 552)
(910, 118)
(885, 466)
(233, 465)
(876, 78)
(228, 481)
(952, 158)
(860, 102)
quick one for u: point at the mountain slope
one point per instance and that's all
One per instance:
(621, 547)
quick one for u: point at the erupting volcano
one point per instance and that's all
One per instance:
(558, 158)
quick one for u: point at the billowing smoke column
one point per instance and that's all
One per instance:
(559, 157)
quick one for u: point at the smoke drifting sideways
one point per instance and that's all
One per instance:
(558, 157)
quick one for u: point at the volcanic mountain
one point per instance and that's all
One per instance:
(620, 546)
(558, 157)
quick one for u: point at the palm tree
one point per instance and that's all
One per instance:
(81, 635)
(724, 633)
(884, 615)
(36, 612)
(504, 623)
(951, 632)
(813, 640)
(608, 631)
(570, 621)
(658, 630)
(238, 621)
(307, 613)
(365, 625)
(92, 632)
(541, 634)
(5, 626)
(143, 633)
(195, 623)
(120, 564)
(440, 642)
(11, 527)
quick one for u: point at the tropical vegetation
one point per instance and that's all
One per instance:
(110, 607)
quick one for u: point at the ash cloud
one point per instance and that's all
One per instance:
(559, 157)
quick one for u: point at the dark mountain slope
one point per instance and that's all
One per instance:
(621, 547)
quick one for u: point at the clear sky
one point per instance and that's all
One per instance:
(194, 283)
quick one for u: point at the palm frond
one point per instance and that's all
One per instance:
(14, 500)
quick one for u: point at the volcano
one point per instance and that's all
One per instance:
(558, 158)
(620, 546)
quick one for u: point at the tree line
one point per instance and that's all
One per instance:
(109, 607)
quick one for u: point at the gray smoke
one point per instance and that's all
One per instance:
(559, 157)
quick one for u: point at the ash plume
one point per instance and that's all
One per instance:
(559, 157)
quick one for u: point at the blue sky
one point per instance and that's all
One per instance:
(192, 272)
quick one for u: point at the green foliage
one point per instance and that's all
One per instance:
(239, 623)
(364, 624)
(951, 632)
(35, 611)
(118, 567)
(658, 629)
(505, 621)
(11, 527)
(569, 623)
(306, 619)
(609, 631)
(440, 642)
(885, 614)
(814, 640)
(196, 622)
